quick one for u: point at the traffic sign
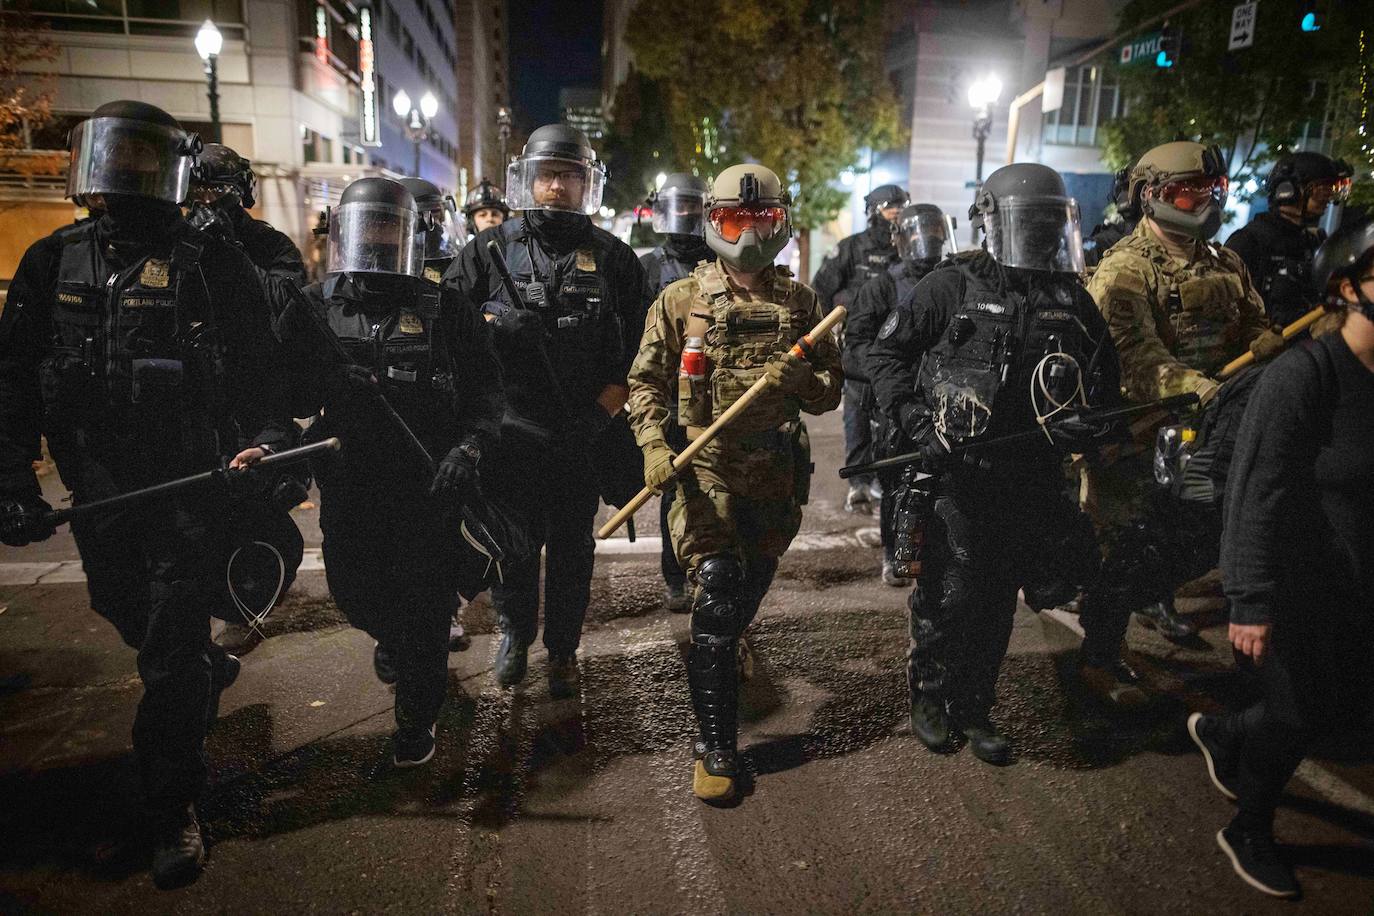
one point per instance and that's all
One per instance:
(1242, 26)
(1142, 50)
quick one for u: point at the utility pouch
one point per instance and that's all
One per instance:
(693, 401)
(155, 381)
(911, 512)
(1211, 298)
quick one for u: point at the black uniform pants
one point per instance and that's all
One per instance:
(391, 565)
(1316, 677)
(155, 572)
(673, 574)
(858, 433)
(980, 539)
(558, 501)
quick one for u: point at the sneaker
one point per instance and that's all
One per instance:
(1113, 683)
(562, 675)
(930, 722)
(222, 677)
(383, 664)
(1256, 859)
(511, 661)
(985, 741)
(412, 747)
(1221, 760)
(1163, 617)
(714, 775)
(676, 599)
(890, 576)
(744, 660)
(238, 638)
(178, 849)
(875, 490)
(858, 501)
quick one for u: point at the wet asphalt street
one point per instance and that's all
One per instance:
(584, 806)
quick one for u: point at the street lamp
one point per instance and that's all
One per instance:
(981, 95)
(503, 129)
(209, 42)
(415, 120)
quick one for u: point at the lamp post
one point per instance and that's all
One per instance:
(503, 128)
(209, 42)
(416, 120)
(981, 95)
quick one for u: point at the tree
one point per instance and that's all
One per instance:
(25, 97)
(798, 85)
(1257, 102)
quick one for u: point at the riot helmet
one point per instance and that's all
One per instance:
(922, 233)
(881, 200)
(1182, 186)
(747, 217)
(372, 230)
(679, 206)
(486, 196)
(557, 170)
(1126, 195)
(1029, 221)
(1347, 255)
(437, 227)
(1305, 178)
(221, 171)
(131, 148)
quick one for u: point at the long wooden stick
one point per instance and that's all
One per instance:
(801, 348)
(1293, 330)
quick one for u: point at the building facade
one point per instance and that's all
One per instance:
(483, 90)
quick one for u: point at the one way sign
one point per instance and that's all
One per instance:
(1242, 26)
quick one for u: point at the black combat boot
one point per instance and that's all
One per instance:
(985, 741)
(178, 850)
(930, 720)
(562, 675)
(512, 660)
(713, 679)
(1162, 616)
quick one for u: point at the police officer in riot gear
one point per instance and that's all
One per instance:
(922, 235)
(739, 505)
(1278, 245)
(223, 189)
(485, 207)
(856, 260)
(565, 349)
(439, 234)
(1122, 224)
(394, 563)
(991, 342)
(679, 213)
(142, 350)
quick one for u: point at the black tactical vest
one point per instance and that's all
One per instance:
(670, 269)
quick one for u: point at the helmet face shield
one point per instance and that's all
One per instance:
(1036, 233)
(373, 237)
(732, 222)
(440, 232)
(1192, 194)
(678, 211)
(924, 236)
(553, 183)
(124, 156)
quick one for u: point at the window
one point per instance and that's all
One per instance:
(1089, 102)
(316, 148)
(138, 17)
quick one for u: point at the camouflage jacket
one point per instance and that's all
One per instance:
(740, 339)
(1174, 322)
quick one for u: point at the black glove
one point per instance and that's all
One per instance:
(520, 326)
(344, 382)
(212, 222)
(919, 430)
(455, 482)
(23, 519)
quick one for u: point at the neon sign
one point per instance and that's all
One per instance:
(321, 35)
(367, 63)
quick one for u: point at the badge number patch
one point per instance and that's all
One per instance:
(155, 275)
(890, 326)
(410, 323)
(586, 260)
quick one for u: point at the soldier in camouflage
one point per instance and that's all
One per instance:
(1179, 309)
(739, 506)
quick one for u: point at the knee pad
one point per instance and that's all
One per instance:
(718, 609)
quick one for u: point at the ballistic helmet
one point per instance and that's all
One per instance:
(1182, 186)
(747, 217)
(131, 148)
(1029, 221)
(372, 230)
(220, 171)
(437, 228)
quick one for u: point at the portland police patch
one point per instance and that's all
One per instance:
(890, 326)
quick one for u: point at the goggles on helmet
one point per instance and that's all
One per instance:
(1190, 194)
(732, 222)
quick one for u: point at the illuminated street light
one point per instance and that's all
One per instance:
(400, 103)
(981, 95)
(416, 121)
(429, 106)
(659, 179)
(209, 42)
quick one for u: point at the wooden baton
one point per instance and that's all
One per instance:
(1293, 330)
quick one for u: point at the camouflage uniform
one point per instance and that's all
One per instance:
(1175, 324)
(746, 488)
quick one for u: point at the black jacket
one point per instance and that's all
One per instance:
(674, 260)
(856, 260)
(870, 309)
(94, 432)
(1278, 255)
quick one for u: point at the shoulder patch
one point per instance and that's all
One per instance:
(1124, 280)
(890, 326)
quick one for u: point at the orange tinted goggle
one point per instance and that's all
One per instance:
(1188, 194)
(1337, 189)
(732, 222)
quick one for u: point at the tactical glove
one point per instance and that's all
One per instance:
(22, 520)
(658, 465)
(1206, 390)
(1267, 346)
(919, 429)
(1077, 435)
(519, 326)
(792, 374)
(455, 481)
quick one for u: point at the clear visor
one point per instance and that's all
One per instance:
(925, 237)
(440, 232)
(373, 238)
(549, 183)
(678, 211)
(123, 156)
(1036, 233)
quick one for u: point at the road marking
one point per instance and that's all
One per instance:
(1321, 780)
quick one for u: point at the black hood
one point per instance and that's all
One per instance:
(373, 293)
(689, 249)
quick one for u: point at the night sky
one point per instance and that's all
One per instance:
(553, 44)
